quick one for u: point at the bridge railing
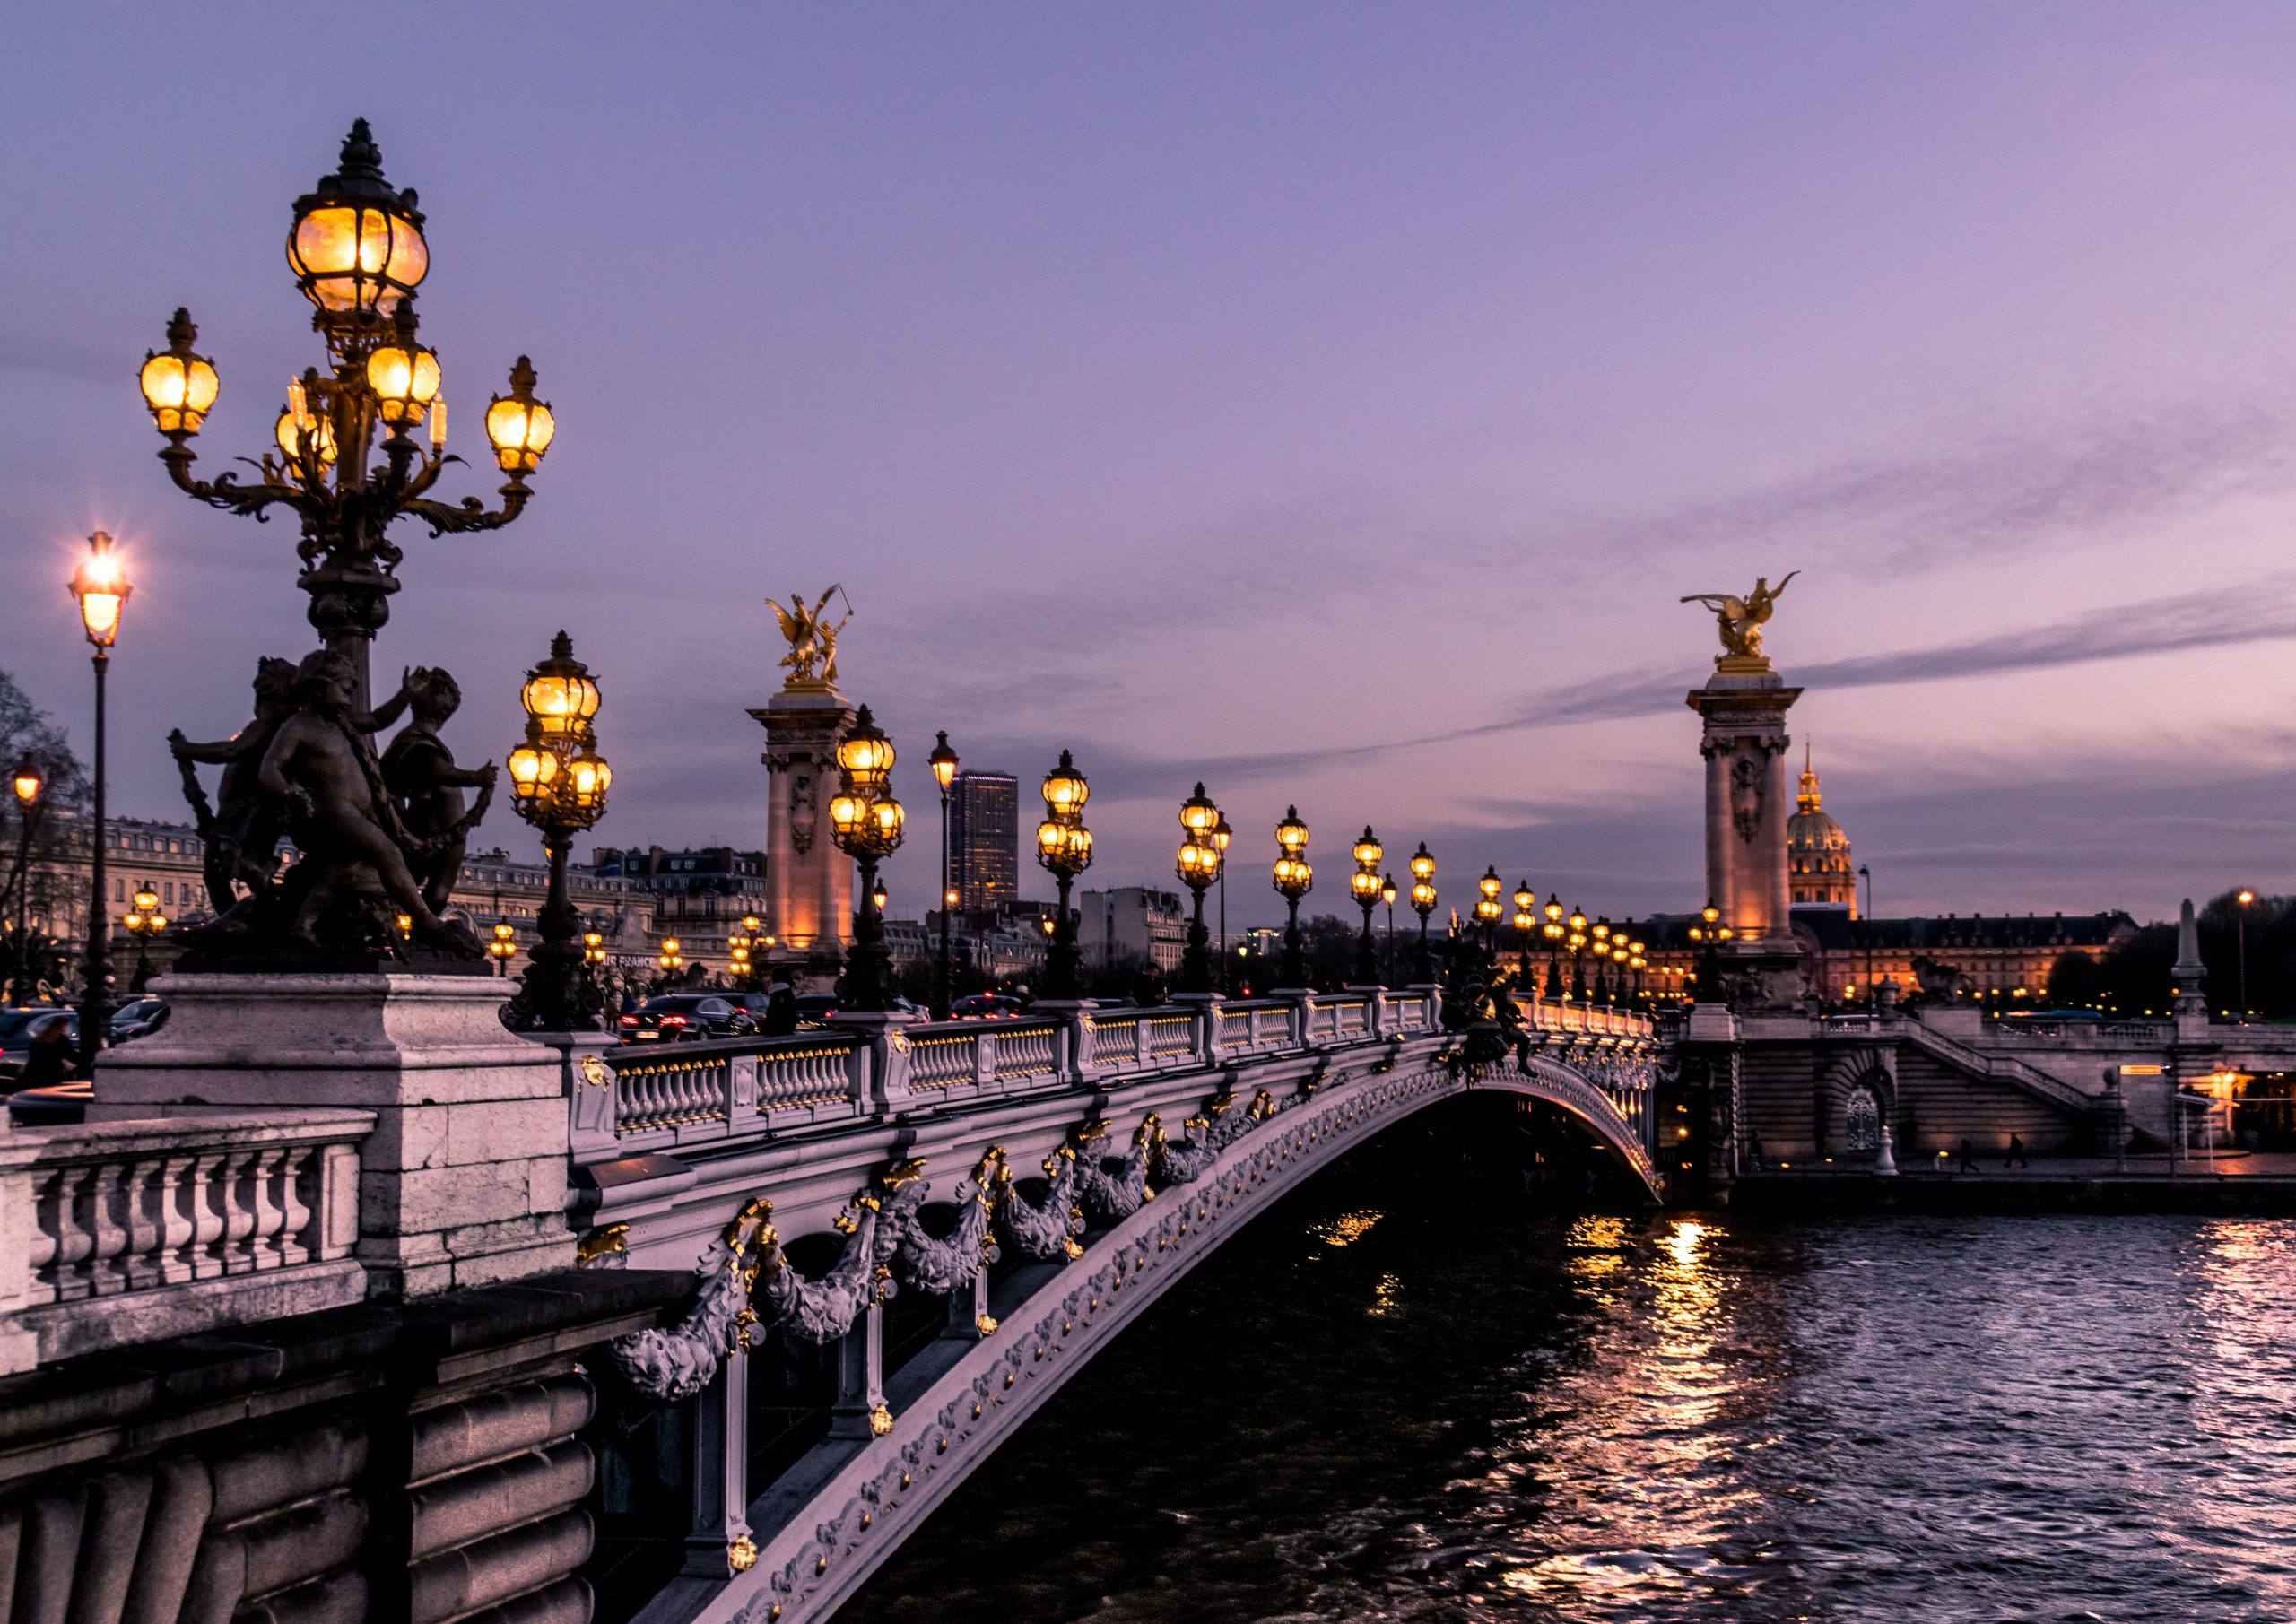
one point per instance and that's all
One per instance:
(674, 1095)
(1569, 1015)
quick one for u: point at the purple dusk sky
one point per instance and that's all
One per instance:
(1330, 402)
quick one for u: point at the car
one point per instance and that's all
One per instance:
(138, 1017)
(815, 1009)
(58, 1105)
(18, 1028)
(986, 1006)
(687, 1018)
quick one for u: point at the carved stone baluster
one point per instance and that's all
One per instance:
(297, 1195)
(263, 1196)
(51, 1222)
(203, 1193)
(145, 1212)
(176, 1227)
(105, 1213)
(236, 1199)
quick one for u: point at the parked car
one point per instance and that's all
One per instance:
(687, 1018)
(58, 1105)
(986, 1006)
(815, 1008)
(138, 1017)
(18, 1028)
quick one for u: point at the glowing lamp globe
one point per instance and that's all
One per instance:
(519, 427)
(356, 246)
(178, 386)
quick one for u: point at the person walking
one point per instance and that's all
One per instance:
(49, 1058)
(780, 1011)
(2017, 1157)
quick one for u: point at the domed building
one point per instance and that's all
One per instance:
(1819, 873)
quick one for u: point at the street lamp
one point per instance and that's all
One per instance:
(29, 785)
(100, 587)
(503, 948)
(1198, 867)
(143, 922)
(1220, 834)
(1598, 947)
(1364, 886)
(558, 784)
(944, 761)
(358, 252)
(1710, 933)
(1488, 910)
(1065, 850)
(2246, 900)
(1294, 879)
(865, 821)
(1387, 894)
(1575, 939)
(1526, 921)
(1553, 930)
(670, 959)
(1422, 903)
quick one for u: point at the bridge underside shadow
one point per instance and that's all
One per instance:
(839, 1512)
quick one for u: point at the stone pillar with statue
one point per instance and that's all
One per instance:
(1743, 706)
(808, 882)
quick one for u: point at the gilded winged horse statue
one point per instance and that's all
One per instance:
(812, 640)
(1740, 619)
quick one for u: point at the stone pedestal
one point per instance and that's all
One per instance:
(463, 1180)
(808, 882)
(1744, 708)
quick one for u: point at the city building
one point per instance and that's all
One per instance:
(1819, 873)
(984, 839)
(495, 888)
(700, 895)
(1130, 923)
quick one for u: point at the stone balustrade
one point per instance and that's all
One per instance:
(647, 1098)
(115, 1233)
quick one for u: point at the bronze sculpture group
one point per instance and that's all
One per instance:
(380, 837)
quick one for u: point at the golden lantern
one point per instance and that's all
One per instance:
(1367, 850)
(519, 427)
(405, 377)
(178, 386)
(356, 246)
(1221, 834)
(533, 770)
(1363, 885)
(1065, 789)
(1198, 816)
(1423, 896)
(943, 762)
(1388, 890)
(1553, 909)
(100, 585)
(847, 814)
(1291, 835)
(559, 693)
(306, 436)
(1199, 864)
(1294, 876)
(594, 948)
(1525, 899)
(1524, 921)
(1578, 923)
(1490, 885)
(1422, 865)
(865, 755)
(1602, 930)
(28, 781)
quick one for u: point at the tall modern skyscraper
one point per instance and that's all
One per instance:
(984, 839)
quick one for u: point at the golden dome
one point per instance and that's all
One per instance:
(1818, 866)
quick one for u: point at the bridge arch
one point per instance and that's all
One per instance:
(811, 1538)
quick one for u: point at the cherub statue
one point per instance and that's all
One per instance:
(420, 772)
(242, 830)
(1740, 619)
(322, 773)
(811, 640)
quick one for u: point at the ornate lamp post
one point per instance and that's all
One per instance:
(503, 948)
(102, 588)
(1294, 879)
(1065, 850)
(671, 959)
(357, 249)
(1198, 866)
(1387, 894)
(2246, 899)
(865, 821)
(1599, 950)
(559, 783)
(1710, 933)
(943, 762)
(1575, 939)
(1220, 834)
(1488, 910)
(143, 922)
(29, 786)
(1364, 886)
(1422, 903)
(1527, 922)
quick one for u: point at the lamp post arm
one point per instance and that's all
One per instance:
(470, 513)
(226, 492)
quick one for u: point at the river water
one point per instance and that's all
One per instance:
(1388, 1401)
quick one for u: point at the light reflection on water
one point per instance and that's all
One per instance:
(1678, 1418)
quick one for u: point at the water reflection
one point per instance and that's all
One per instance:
(1680, 1417)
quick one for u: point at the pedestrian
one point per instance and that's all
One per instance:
(49, 1056)
(2017, 1157)
(780, 1009)
(1969, 1157)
